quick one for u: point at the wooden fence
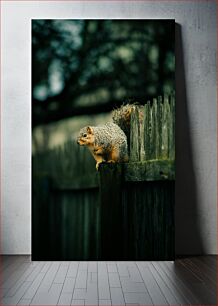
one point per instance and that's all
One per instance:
(123, 211)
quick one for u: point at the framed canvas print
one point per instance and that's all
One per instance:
(103, 139)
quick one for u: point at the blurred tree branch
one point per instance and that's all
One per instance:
(125, 59)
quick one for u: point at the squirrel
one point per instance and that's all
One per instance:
(108, 142)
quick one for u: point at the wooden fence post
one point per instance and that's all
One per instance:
(111, 177)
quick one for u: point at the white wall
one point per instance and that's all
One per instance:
(196, 109)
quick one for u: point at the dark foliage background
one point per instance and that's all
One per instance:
(82, 67)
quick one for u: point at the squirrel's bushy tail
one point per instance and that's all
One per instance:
(122, 117)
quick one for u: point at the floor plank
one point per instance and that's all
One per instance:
(208, 275)
(17, 275)
(205, 295)
(47, 281)
(69, 285)
(50, 297)
(140, 298)
(168, 292)
(181, 286)
(104, 302)
(65, 299)
(29, 276)
(117, 296)
(170, 281)
(155, 292)
(17, 263)
(187, 281)
(209, 262)
(114, 280)
(17, 296)
(24, 302)
(103, 282)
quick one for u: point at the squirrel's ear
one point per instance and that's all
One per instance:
(90, 130)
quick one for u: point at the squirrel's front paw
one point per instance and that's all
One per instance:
(97, 166)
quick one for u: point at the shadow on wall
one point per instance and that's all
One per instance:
(188, 239)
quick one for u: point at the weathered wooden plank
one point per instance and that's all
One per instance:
(155, 110)
(152, 131)
(149, 171)
(147, 130)
(142, 133)
(135, 136)
(172, 128)
(165, 128)
(145, 115)
(160, 119)
(169, 124)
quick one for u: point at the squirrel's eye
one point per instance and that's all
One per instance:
(84, 135)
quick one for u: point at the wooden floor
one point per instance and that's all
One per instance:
(188, 281)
